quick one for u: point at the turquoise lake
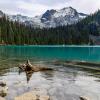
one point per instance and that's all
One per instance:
(85, 53)
(63, 83)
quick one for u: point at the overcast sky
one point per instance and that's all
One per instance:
(37, 7)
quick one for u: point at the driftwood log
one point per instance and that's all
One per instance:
(28, 67)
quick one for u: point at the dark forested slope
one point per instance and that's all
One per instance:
(16, 33)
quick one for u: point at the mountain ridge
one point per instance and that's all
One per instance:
(51, 18)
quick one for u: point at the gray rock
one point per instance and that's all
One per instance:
(2, 83)
(34, 95)
(3, 91)
(2, 98)
(84, 98)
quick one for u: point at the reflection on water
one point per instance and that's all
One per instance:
(48, 75)
(28, 76)
(49, 53)
(64, 83)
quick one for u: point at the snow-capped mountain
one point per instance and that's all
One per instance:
(51, 18)
(54, 18)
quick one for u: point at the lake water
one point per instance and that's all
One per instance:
(41, 53)
(64, 83)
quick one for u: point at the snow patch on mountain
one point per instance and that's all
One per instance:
(51, 18)
(65, 16)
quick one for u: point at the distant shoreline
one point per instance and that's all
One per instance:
(50, 45)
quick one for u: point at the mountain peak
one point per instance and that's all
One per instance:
(51, 18)
(48, 15)
(68, 8)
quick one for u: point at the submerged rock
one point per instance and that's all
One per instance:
(3, 91)
(26, 96)
(2, 98)
(2, 83)
(84, 98)
(32, 96)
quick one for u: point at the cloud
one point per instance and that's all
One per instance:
(51, 2)
(37, 7)
(86, 6)
(9, 6)
(31, 8)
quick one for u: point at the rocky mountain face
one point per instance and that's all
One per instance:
(1, 13)
(54, 18)
(51, 18)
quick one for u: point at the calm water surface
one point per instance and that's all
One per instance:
(64, 83)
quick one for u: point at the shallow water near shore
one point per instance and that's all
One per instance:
(64, 83)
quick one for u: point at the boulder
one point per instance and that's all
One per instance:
(32, 96)
(2, 98)
(2, 83)
(3, 91)
(26, 96)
